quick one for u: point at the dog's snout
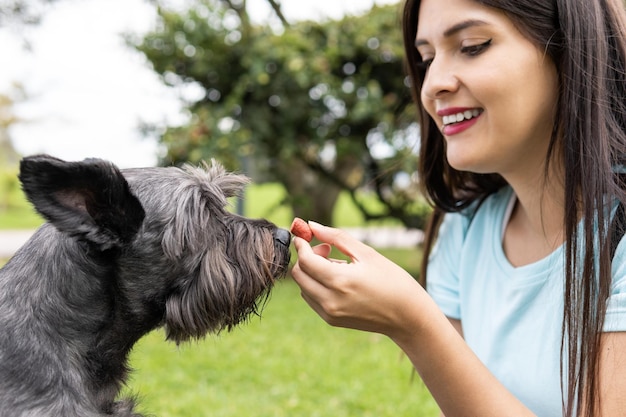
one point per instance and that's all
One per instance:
(283, 236)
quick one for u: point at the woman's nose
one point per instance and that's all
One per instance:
(441, 78)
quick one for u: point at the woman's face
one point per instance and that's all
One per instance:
(490, 90)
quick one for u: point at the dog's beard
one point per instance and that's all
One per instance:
(232, 282)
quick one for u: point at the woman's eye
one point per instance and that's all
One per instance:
(473, 50)
(424, 64)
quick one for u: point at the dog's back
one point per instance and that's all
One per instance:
(47, 327)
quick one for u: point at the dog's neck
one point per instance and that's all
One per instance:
(86, 308)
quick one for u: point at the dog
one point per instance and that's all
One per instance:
(123, 252)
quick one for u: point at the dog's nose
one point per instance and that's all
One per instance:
(283, 236)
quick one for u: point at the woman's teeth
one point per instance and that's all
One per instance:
(459, 117)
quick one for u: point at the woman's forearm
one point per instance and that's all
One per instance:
(457, 379)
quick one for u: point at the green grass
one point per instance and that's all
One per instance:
(15, 211)
(263, 201)
(260, 201)
(19, 218)
(288, 363)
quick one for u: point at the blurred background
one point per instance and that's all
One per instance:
(307, 97)
(307, 94)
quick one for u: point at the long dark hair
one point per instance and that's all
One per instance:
(586, 41)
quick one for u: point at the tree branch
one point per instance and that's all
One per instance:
(278, 10)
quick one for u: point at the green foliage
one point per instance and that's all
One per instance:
(318, 107)
(9, 189)
(20, 218)
(289, 363)
(18, 13)
(260, 201)
(266, 201)
(15, 211)
(9, 158)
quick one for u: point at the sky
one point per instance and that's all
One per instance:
(89, 101)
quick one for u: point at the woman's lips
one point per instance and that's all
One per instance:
(457, 119)
(458, 127)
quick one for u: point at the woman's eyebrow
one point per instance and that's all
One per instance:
(454, 29)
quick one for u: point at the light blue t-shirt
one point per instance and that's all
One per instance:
(511, 316)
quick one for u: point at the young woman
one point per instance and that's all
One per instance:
(523, 115)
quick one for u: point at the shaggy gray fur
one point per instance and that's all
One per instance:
(123, 252)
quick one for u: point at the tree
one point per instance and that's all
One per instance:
(22, 12)
(319, 106)
(9, 158)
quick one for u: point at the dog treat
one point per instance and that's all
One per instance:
(301, 229)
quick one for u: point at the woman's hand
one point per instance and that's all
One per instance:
(372, 293)
(369, 292)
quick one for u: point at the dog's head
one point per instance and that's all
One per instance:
(177, 254)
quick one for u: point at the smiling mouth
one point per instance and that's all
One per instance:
(461, 116)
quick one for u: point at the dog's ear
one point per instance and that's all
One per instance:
(197, 306)
(90, 200)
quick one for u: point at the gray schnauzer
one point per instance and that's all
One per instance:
(123, 252)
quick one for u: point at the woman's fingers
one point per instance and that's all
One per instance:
(322, 250)
(312, 262)
(342, 240)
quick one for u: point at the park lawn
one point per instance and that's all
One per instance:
(20, 218)
(259, 201)
(286, 363)
(263, 201)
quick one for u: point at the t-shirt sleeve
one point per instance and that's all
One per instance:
(615, 320)
(442, 279)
